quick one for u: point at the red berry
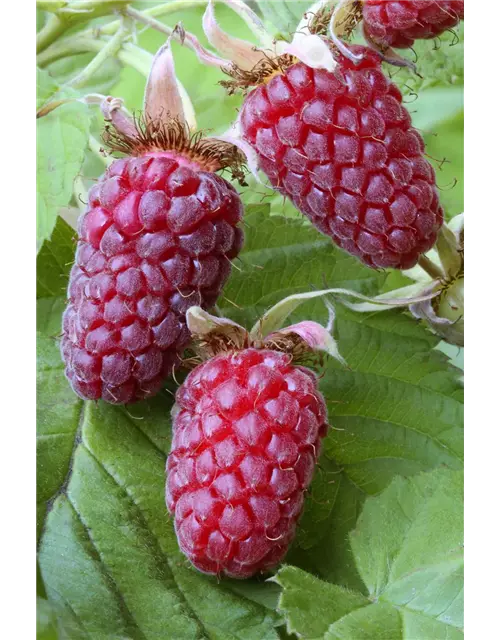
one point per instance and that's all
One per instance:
(341, 147)
(156, 239)
(247, 427)
(399, 24)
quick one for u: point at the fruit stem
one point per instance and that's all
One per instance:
(431, 268)
(52, 29)
(130, 54)
(65, 15)
(150, 21)
(110, 49)
(163, 9)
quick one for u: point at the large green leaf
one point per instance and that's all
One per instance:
(61, 140)
(408, 546)
(101, 468)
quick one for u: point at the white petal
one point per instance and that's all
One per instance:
(206, 57)
(315, 337)
(202, 325)
(338, 28)
(456, 224)
(309, 49)
(274, 318)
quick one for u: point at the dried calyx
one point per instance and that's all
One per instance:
(261, 73)
(437, 296)
(305, 342)
(166, 125)
(445, 312)
(320, 36)
(248, 64)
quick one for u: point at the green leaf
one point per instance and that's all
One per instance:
(46, 620)
(417, 564)
(408, 549)
(283, 256)
(54, 622)
(124, 573)
(101, 506)
(310, 605)
(58, 415)
(54, 261)
(61, 140)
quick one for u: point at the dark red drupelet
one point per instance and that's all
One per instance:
(157, 238)
(247, 427)
(341, 147)
(399, 24)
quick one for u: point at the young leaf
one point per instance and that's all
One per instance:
(417, 563)
(408, 548)
(310, 605)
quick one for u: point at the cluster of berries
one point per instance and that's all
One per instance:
(161, 228)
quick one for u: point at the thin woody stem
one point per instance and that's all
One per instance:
(110, 49)
(129, 53)
(53, 28)
(66, 15)
(148, 15)
(431, 268)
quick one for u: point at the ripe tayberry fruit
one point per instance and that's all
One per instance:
(341, 147)
(398, 24)
(330, 132)
(156, 238)
(247, 427)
